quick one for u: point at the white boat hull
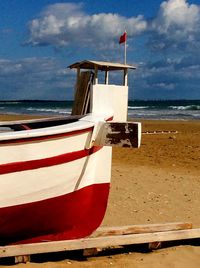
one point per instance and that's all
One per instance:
(52, 187)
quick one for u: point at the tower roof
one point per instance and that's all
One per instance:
(101, 65)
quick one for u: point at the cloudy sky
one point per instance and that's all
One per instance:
(39, 39)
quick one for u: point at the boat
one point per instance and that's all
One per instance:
(55, 172)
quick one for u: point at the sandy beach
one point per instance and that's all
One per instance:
(158, 183)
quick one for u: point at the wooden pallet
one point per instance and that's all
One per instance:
(104, 237)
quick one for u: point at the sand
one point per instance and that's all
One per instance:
(160, 182)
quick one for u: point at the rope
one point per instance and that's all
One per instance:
(156, 132)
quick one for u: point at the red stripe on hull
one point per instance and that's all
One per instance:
(109, 119)
(47, 162)
(47, 137)
(71, 216)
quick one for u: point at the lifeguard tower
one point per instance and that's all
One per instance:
(100, 98)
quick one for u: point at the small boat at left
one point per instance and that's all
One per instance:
(55, 172)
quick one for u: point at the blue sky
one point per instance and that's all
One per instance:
(40, 38)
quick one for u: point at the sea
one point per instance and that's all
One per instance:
(140, 109)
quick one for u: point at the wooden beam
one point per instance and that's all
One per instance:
(155, 245)
(82, 94)
(96, 75)
(106, 77)
(22, 259)
(96, 242)
(119, 134)
(78, 74)
(139, 229)
(125, 82)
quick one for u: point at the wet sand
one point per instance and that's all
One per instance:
(160, 182)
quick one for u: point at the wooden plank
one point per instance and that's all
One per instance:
(96, 242)
(119, 134)
(22, 259)
(90, 252)
(138, 229)
(81, 101)
(155, 245)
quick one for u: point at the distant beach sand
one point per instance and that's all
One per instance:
(160, 182)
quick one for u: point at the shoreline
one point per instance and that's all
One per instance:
(15, 116)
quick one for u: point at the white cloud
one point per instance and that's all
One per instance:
(177, 14)
(67, 23)
(177, 24)
(174, 32)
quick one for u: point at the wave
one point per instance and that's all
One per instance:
(49, 110)
(181, 110)
(171, 107)
(188, 107)
(9, 102)
(137, 107)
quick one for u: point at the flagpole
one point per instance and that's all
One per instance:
(125, 49)
(125, 52)
(123, 40)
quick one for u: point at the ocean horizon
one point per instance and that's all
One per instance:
(142, 109)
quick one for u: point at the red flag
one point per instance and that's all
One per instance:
(122, 38)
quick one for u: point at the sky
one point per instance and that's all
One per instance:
(39, 39)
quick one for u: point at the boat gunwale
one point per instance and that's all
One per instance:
(45, 137)
(52, 131)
